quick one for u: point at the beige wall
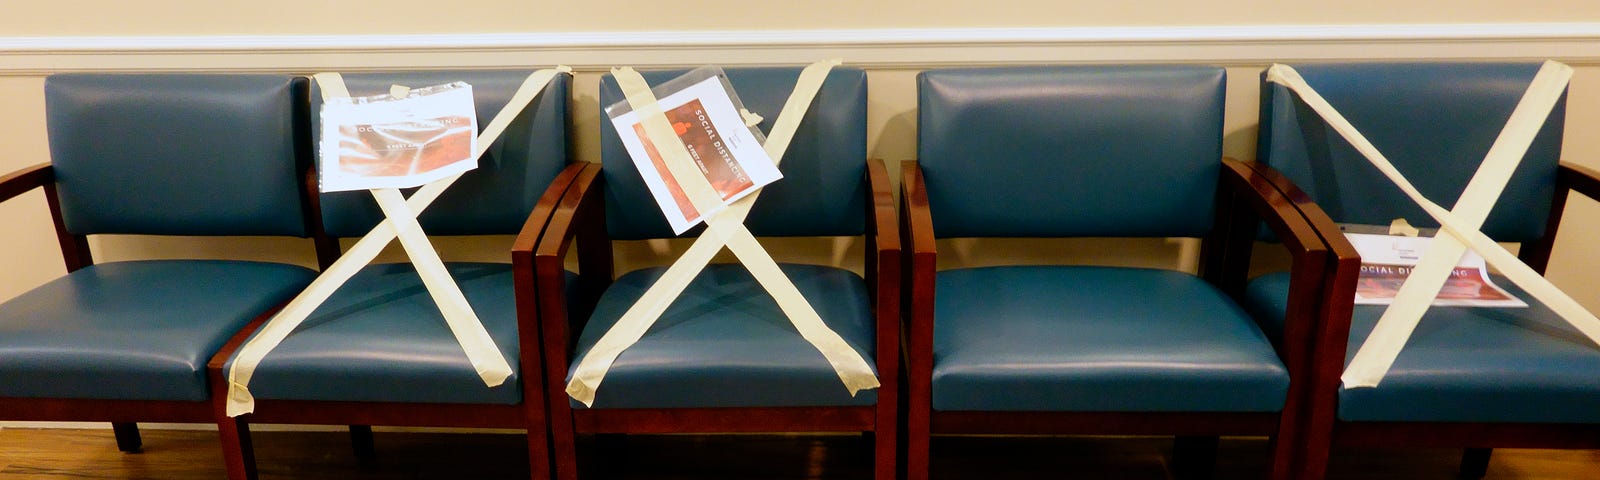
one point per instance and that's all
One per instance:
(31, 258)
(182, 17)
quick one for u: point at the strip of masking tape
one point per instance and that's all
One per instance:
(727, 229)
(1401, 227)
(751, 119)
(469, 331)
(250, 355)
(1375, 356)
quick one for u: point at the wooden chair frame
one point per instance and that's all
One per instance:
(123, 414)
(580, 219)
(530, 414)
(1323, 430)
(1245, 199)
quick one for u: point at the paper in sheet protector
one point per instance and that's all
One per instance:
(384, 141)
(721, 145)
(1387, 260)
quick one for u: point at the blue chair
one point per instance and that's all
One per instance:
(723, 358)
(1476, 378)
(378, 351)
(181, 154)
(1094, 151)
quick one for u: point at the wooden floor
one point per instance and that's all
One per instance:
(86, 454)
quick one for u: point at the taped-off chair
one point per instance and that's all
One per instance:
(378, 350)
(176, 155)
(1469, 377)
(1094, 151)
(723, 357)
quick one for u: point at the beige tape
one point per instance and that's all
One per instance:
(365, 250)
(751, 119)
(1394, 328)
(726, 229)
(1400, 226)
(458, 315)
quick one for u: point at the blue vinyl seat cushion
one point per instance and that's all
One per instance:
(381, 338)
(1466, 364)
(139, 330)
(725, 343)
(1072, 338)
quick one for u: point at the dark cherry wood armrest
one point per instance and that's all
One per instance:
(916, 223)
(529, 332)
(1309, 263)
(533, 228)
(884, 274)
(74, 248)
(1273, 207)
(1332, 329)
(567, 220)
(1338, 246)
(21, 181)
(1579, 178)
(216, 374)
(1569, 178)
(885, 221)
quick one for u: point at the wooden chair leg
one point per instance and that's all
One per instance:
(563, 447)
(1194, 458)
(1475, 463)
(361, 443)
(238, 453)
(884, 465)
(539, 467)
(1282, 463)
(127, 437)
(917, 445)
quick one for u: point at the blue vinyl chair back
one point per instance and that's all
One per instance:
(493, 199)
(822, 192)
(1434, 121)
(178, 154)
(1124, 151)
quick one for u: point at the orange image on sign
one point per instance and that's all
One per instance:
(708, 150)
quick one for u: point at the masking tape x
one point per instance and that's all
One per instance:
(400, 221)
(725, 227)
(1394, 328)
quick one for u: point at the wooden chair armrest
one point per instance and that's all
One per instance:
(1309, 262)
(74, 248)
(884, 272)
(21, 181)
(1275, 209)
(1570, 177)
(533, 227)
(1338, 246)
(916, 223)
(1332, 330)
(1579, 178)
(884, 217)
(215, 372)
(571, 214)
(529, 334)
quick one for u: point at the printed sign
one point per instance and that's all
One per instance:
(722, 147)
(1387, 260)
(384, 141)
